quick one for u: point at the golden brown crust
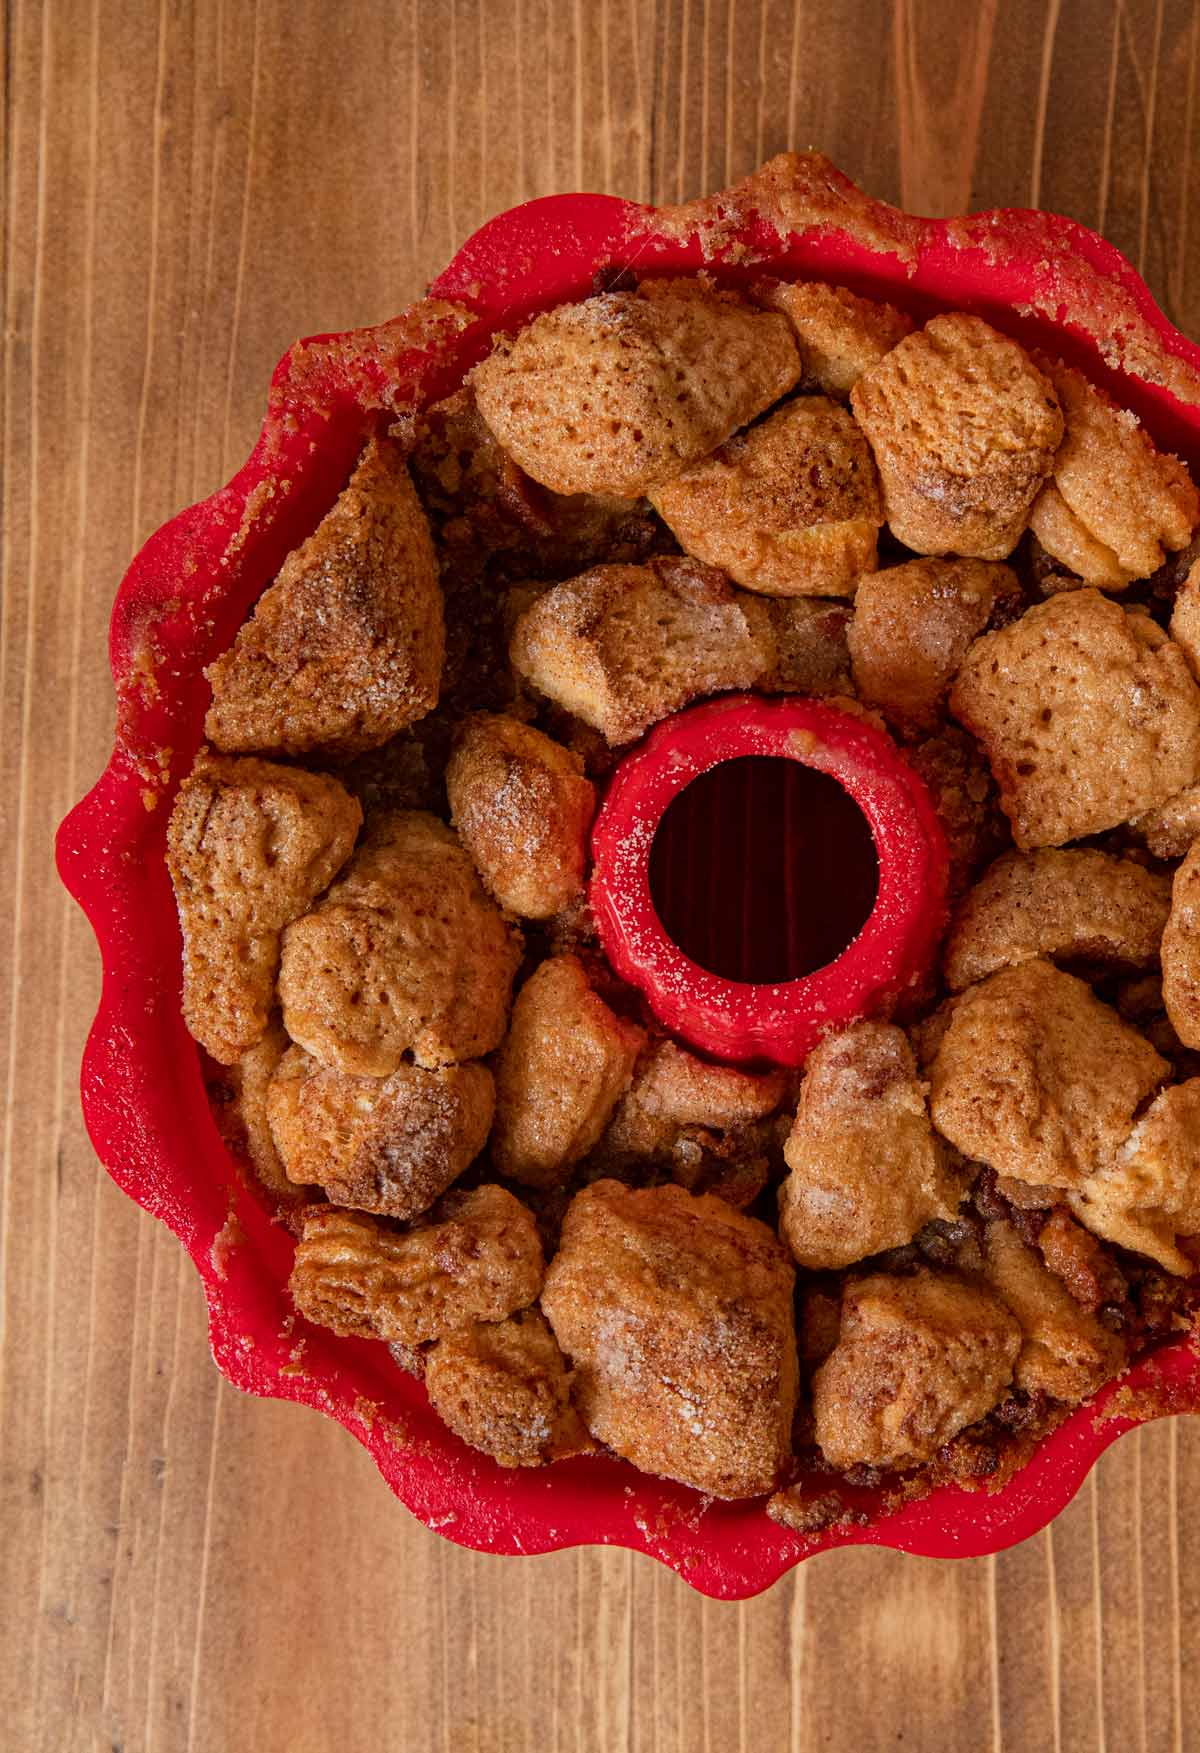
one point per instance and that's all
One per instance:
(840, 334)
(673, 1089)
(626, 389)
(1037, 1078)
(1080, 1259)
(480, 1264)
(504, 1387)
(866, 1171)
(964, 428)
(1067, 540)
(1181, 951)
(406, 954)
(1169, 830)
(565, 1064)
(1185, 618)
(1079, 905)
(790, 507)
(251, 1080)
(522, 808)
(1147, 1195)
(345, 648)
(1065, 1352)
(676, 1313)
(1088, 714)
(1115, 502)
(913, 625)
(250, 845)
(391, 1145)
(917, 1360)
(623, 646)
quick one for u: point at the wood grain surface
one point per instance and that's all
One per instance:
(189, 187)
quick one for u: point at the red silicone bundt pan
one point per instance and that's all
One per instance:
(1044, 279)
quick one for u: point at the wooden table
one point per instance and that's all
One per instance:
(191, 187)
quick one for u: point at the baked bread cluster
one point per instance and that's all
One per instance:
(915, 1256)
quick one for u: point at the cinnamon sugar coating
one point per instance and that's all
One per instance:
(392, 1144)
(1181, 951)
(406, 954)
(521, 806)
(913, 625)
(1037, 1078)
(504, 1387)
(479, 1262)
(790, 507)
(840, 334)
(623, 646)
(564, 1065)
(1088, 714)
(673, 1089)
(916, 1361)
(1079, 905)
(866, 1169)
(250, 845)
(345, 648)
(964, 428)
(1065, 1351)
(1147, 1195)
(676, 1314)
(624, 390)
(1115, 501)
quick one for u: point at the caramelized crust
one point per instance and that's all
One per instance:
(1181, 951)
(1115, 502)
(345, 648)
(672, 1089)
(867, 1171)
(406, 954)
(811, 655)
(623, 646)
(249, 847)
(1078, 1257)
(1088, 714)
(522, 808)
(840, 335)
(481, 1263)
(917, 1360)
(391, 1144)
(965, 799)
(913, 625)
(566, 1063)
(1148, 1195)
(790, 507)
(964, 428)
(623, 391)
(676, 1313)
(1037, 1078)
(1066, 1352)
(504, 1387)
(1082, 906)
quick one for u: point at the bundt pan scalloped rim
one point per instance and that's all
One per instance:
(1044, 279)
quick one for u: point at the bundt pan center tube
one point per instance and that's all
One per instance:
(779, 1022)
(1044, 280)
